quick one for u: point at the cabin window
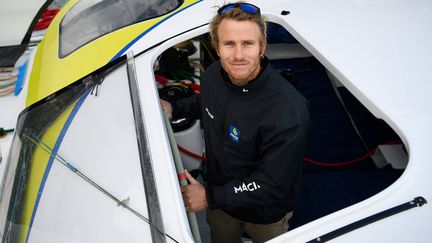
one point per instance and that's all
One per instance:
(88, 19)
(66, 148)
(345, 160)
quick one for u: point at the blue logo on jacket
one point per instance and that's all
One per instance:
(234, 133)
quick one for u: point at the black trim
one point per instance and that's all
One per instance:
(10, 54)
(153, 207)
(27, 36)
(416, 202)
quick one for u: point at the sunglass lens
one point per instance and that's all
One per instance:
(249, 8)
(226, 8)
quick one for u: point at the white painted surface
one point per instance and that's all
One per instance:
(380, 50)
(101, 143)
(15, 19)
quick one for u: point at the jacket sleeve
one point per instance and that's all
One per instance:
(187, 107)
(281, 150)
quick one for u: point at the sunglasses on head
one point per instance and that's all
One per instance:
(246, 7)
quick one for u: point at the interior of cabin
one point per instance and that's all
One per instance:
(348, 151)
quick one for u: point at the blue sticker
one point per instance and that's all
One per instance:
(20, 78)
(234, 133)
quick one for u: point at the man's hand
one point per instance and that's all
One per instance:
(166, 107)
(194, 195)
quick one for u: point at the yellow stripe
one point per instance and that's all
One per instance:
(50, 73)
(38, 166)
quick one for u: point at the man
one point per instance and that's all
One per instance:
(255, 128)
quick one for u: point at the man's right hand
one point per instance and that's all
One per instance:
(194, 195)
(166, 107)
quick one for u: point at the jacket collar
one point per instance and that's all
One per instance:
(252, 85)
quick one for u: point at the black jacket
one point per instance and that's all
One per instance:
(255, 138)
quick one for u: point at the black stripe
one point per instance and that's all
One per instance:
(155, 216)
(27, 36)
(416, 202)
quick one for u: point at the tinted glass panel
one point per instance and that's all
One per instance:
(90, 19)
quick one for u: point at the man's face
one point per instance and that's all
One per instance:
(240, 49)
